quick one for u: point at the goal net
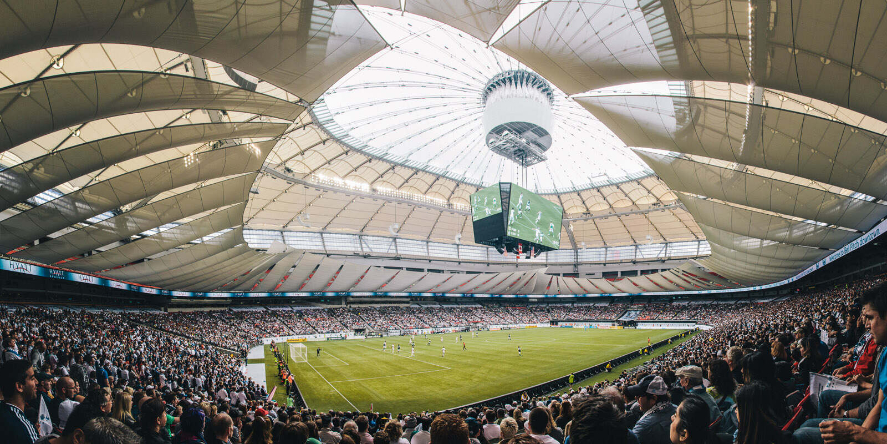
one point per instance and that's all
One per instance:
(298, 352)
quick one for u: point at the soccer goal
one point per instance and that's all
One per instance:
(298, 352)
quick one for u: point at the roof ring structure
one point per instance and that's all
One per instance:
(421, 104)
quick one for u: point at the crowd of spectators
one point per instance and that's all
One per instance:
(105, 376)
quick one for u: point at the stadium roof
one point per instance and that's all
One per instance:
(148, 142)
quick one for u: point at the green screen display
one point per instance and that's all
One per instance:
(533, 218)
(486, 203)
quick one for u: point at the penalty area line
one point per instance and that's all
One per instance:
(392, 376)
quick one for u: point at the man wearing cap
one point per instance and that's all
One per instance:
(654, 425)
(691, 380)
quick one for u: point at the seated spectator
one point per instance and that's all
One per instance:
(363, 425)
(326, 435)
(597, 421)
(689, 425)
(192, 422)
(566, 414)
(653, 426)
(18, 385)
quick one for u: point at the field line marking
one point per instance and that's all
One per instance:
(331, 385)
(338, 359)
(405, 357)
(392, 376)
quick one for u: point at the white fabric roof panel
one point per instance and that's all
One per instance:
(765, 226)
(348, 276)
(229, 217)
(199, 270)
(129, 187)
(480, 18)
(224, 272)
(456, 283)
(789, 142)
(303, 47)
(303, 269)
(429, 281)
(246, 283)
(281, 268)
(195, 268)
(489, 282)
(40, 107)
(141, 219)
(403, 280)
(762, 247)
(182, 258)
(763, 261)
(40, 174)
(324, 274)
(765, 193)
(374, 279)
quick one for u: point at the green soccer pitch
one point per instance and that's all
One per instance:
(349, 375)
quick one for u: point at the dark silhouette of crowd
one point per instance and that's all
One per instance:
(103, 376)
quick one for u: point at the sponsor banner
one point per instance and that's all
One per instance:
(296, 340)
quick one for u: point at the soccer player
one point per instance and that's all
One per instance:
(384, 345)
(443, 352)
(413, 351)
(463, 346)
(429, 341)
(398, 348)
(519, 352)
(318, 351)
(509, 336)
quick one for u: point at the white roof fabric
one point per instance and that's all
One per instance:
(126, 142)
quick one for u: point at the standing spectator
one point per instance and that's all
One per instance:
(19, 385)
(64, 389)
(395, 432)
(508, 429)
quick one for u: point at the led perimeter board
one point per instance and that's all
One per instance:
(516, 220)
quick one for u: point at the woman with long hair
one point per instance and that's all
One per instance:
(261, 433)
(757, 420)
(722, 383)
(689, 424)
(810, 361)
(122, 410)
(395, 432)
(777, 350)
(565, 416)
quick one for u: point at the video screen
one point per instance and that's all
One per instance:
(533, 218)
(486, 202)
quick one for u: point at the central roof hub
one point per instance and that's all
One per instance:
(517, 116)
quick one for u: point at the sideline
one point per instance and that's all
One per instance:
(331, 385)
